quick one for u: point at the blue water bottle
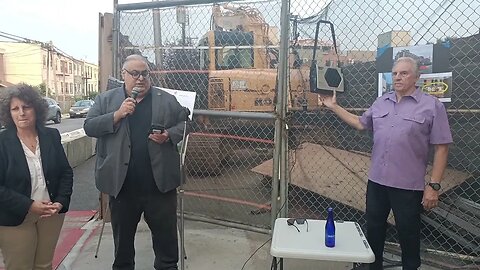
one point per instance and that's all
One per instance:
(330, 229)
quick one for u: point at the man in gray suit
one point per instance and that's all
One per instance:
(138, 163)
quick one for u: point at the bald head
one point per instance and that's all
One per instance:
(134, 57)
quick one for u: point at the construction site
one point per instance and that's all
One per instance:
(262, 144)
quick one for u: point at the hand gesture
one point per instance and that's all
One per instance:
(159, 137)
(329, 101)
(430, 198)
(45, 208)
(127, 108)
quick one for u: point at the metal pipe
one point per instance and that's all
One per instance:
(284, 82)
(115, 39)
(227, 224)
(280, 154)
(391, 245)
(285, 180)
(286, 170)
(194, 47)
(451, 111)
(181, 193)
(243, 115)
(157, 39)
(165, 4)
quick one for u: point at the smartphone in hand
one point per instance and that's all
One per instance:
(157, 129)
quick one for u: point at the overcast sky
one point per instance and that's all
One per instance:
(73, 25)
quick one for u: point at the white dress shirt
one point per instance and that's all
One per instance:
(34, 161)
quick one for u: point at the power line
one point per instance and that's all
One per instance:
(18, 38)
(19, 50)
(44, 44)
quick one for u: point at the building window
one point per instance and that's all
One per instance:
(63, 67)
(69, 68)
(61, 87)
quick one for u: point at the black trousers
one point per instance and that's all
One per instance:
(159, 210)
(406, 206)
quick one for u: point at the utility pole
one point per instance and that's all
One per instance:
(47, 87)
(86, 76)
(182, 20)
(157, 36)
(64, 85)
(55, 78)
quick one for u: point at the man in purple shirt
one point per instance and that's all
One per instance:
(405, 123)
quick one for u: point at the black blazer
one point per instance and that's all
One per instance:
(15, 181)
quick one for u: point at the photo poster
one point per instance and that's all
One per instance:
(435, 76)
(185, 98)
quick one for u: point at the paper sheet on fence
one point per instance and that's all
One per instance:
(185, 98)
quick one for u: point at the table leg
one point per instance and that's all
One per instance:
(274, 264)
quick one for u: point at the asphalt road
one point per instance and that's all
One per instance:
(85, 195)
(67, 124)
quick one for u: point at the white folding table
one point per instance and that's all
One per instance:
(350, 242)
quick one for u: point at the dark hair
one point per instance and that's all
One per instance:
(28, 94)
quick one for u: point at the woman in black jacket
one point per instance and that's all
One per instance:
(35, 181)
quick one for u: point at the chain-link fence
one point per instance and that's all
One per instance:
(228, 53)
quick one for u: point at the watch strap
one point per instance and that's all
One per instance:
(435, 186)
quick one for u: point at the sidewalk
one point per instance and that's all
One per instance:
(207, 247)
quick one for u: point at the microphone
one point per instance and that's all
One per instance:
(135, 93)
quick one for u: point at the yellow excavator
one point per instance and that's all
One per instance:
(240, 53)
(242, 57)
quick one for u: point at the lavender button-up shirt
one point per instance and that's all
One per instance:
(402, 133)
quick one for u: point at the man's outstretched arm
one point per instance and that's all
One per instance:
(348, 117)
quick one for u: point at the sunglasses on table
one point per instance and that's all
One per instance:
(136, 74)
(299, 221)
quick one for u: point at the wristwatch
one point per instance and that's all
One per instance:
(435, 186)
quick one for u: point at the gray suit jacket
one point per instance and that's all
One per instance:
(113, 141)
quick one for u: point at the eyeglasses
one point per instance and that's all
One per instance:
(299, 221)
(136, 74)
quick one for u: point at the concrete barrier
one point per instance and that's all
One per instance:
(78, 146)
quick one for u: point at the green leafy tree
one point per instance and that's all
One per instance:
(91, 95)
(43, 90)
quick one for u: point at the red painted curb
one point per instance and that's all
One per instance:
(71, 232)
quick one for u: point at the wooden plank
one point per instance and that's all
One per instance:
(338, 174)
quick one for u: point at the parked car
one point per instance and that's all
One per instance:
(80, 108)
(54, 111)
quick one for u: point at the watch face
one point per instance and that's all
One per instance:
(435, 186)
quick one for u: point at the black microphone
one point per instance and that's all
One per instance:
(135, 93)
